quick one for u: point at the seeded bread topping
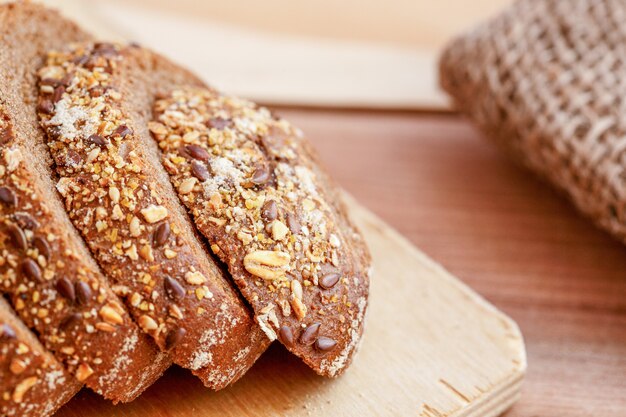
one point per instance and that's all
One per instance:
(32, 382)
(272, 215)
(51, 289)
(24, 370)
(46, 272)
(112, 194)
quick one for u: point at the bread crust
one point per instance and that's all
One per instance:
(33, 383)
(119, 197)
(45, 269)
(256, 191)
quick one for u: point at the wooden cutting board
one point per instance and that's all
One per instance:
(432, 348)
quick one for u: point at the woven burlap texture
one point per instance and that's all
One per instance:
(546, 80)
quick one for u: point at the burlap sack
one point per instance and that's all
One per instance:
(547, 80)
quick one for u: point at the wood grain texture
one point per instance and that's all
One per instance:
(432, 347)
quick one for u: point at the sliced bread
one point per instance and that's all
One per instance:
(33, 382)
(95, 104)
(46, 271)
(256, 191)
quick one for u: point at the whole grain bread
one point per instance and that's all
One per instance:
(256, 190)
(33, 382)
(95, 104)
(46, 271)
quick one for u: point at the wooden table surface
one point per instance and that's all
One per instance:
(436, 180)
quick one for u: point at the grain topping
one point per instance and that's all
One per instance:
(253, 186)
(122, 361)
(33, 259)
(121, 215)
(110, 182)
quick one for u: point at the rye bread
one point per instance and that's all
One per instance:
(47, 273)
(95, 104)
(256, 190)
(33, 382)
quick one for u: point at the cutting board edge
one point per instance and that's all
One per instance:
(440, 270)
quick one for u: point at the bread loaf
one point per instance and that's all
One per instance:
(256, 191)
(32, 382)
(95, 104)
(45, 270)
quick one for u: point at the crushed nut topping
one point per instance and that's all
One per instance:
(154, 213)
(298, 307)
(84, 371)
(110, 198)
(195, 278)
(148, 324)
(39, 271)
(279, 230)
(253, 185)
(22, 388)
(24, 367)
(268, 265)
(110, 315)
(17, 366)
(296, 289)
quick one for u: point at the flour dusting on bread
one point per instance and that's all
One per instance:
(134, 223)
(255, 190)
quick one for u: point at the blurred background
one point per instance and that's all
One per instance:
(324, 53)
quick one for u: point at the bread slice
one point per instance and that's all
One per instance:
(120, 198)
(33, 383)
(257, 192)
(45, 269)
